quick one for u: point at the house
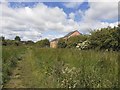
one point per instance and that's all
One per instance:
(53, 43)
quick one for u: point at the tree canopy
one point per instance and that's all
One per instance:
(43, 43)
(17, 38)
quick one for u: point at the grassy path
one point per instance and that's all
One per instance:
(28, 68)
(49, 68)
(17, 77)
(22, 76)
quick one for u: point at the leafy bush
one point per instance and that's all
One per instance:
(61, 43)
(43, 43)
(106, 38)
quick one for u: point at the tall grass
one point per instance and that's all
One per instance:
(10, 56)
(70, 68)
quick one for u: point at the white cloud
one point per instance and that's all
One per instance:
(103, 0)
(73, 4)
(77, 15)
(29, 23)
(86, 28)
(72, 15)
(98, 15)
(51, 37)
(102, 11)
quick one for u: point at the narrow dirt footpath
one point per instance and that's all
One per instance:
(23, 75)
(16, 77)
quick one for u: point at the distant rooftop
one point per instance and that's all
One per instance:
(66, 35)
(71, 33)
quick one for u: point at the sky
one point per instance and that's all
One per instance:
(39, 20)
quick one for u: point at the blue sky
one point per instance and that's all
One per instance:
(31, 20)
(22, 4)
(83, 7)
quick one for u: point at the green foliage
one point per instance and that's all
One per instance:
(7, 42)
(73, 41)
(70, 68)
(103, 39)
(29, 42)
(43, 43)
(106, 38)
(17, 38)
(10, 57)
(66, 68)
(61, 43)
(2, 38)
(85, 45)
(62, 68)
(16, 42)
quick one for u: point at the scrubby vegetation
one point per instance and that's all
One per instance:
(10, 56)
(85, 61)
(65, 68)
(43, 43)
(102, 39)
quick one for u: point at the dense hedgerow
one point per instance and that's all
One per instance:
(101, 39)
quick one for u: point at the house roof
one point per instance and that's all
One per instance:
(66, 35)
(71, 33)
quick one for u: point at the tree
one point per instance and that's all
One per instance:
(17, 38)
(2, 38)
(119, 25)
(43, 43)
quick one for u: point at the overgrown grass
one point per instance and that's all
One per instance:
(70, 68)
(10, 56)
(62, 68)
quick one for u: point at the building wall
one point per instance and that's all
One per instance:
(53, 44)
